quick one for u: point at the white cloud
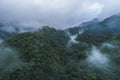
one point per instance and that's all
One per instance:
(55, 13)
(95, 8)
(97, 58)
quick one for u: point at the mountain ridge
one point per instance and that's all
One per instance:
(89, 51)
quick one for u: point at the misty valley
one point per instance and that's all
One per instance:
(90, 51)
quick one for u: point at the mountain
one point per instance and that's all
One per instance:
(46, 55)
(96, 31)
(7, 30)
(90, 51)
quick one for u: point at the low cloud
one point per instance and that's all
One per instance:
(55, 13)
(97, 58)
(9, 60)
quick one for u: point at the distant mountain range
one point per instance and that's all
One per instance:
(111, 24)
(7, 30)
(98, 31)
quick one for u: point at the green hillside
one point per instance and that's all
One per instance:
(43, 55)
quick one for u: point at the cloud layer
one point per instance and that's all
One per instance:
(56, 13)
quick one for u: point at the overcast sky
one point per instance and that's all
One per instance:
(56, 13)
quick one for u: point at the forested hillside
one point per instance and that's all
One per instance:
(87, 52)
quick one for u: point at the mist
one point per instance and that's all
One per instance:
(60, 14)
(73, 39)
(108, 45)
(9, 60)
(97, 59)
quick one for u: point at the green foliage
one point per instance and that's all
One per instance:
(47, 57)
(95, 37)
(74, 30)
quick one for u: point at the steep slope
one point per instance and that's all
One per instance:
(46, 56)
(97, 32)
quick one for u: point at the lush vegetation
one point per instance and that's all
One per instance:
(46, 57)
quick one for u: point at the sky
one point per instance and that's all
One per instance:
(59, 14)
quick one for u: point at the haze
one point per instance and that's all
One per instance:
(60, 14)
